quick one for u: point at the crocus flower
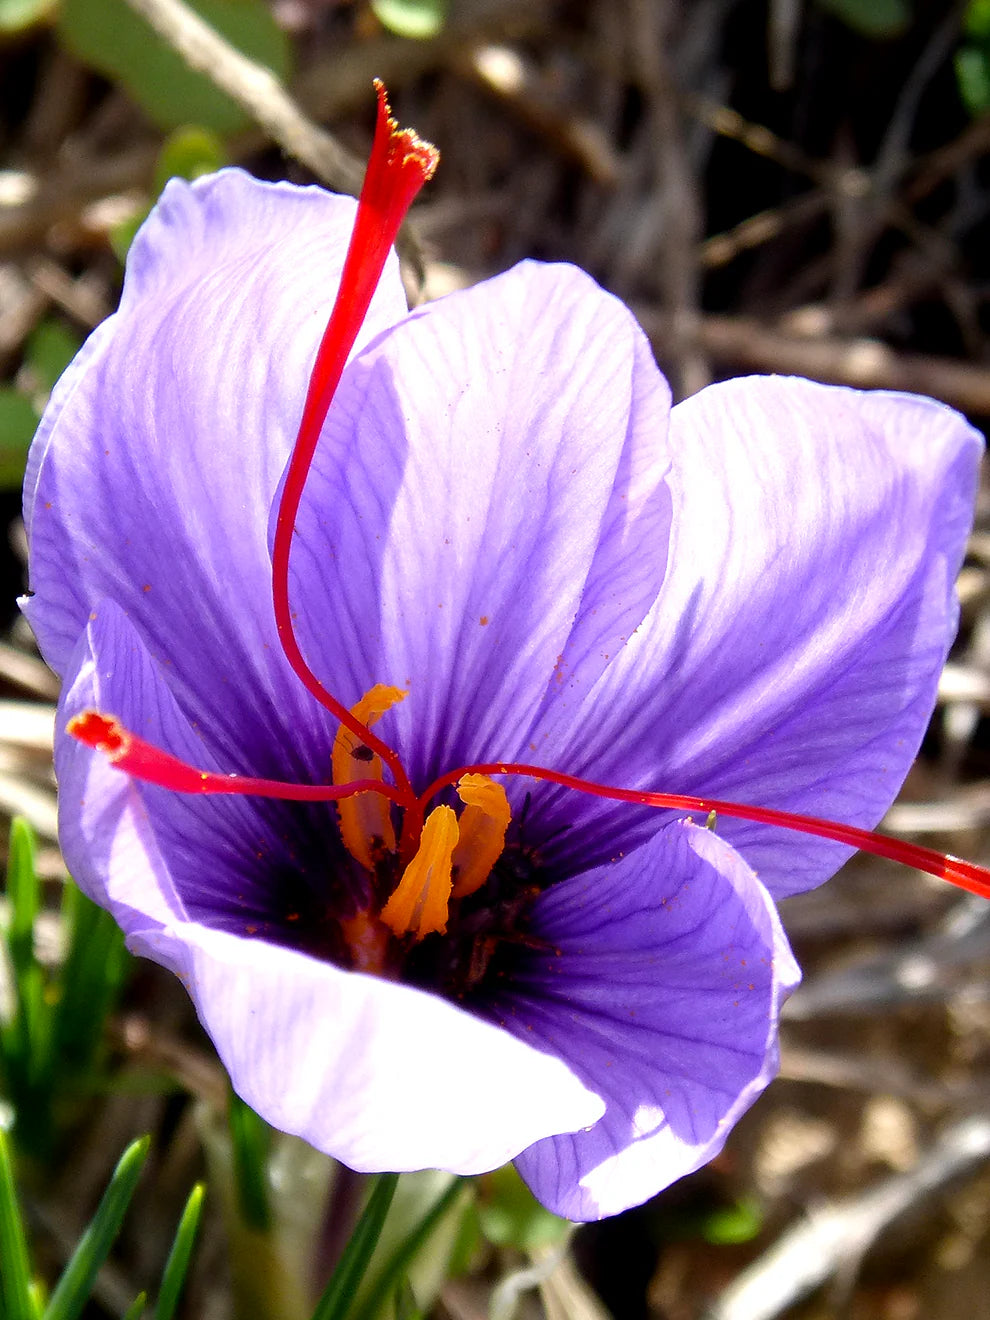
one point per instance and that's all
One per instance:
(504, 550)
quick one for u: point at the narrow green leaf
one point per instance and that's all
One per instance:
(24, 894)
(25, 1037)
(15, 1274)
(74, 1287)
(249, 1136)
(136, 1309)
(174, 1275)
(406, 1306)
(335, 1304)
(91, 980)
(393, 1273)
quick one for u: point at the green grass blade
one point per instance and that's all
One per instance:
(336, 1302)
(174, 1275)
(393, 1274)
(94, 971)
(24, 894)
(406, 1306)
(136, 1309)
(249, 1136)
(25, 1037)
(15, 1274)
(76, 1283)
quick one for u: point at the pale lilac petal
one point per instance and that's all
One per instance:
(375, 1073)
(105, 836)
(380, 1075)
(152, 476)
(793, 655)
(488, 516)
(662, 990)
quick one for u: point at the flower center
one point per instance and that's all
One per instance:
(454, 856)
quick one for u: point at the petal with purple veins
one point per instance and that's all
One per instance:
(662, 990)
(151, 478)
(793, 655)
(487, 516)
(377, 1074)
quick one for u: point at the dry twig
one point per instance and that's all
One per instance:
(833, 1240)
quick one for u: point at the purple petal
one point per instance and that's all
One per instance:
(152, 475)
(378, 1074)
(662, 991)
(793, 656)
(487, 517)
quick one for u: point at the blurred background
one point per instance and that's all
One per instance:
(797, 186)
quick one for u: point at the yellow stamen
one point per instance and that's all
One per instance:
(365, 820)
(482, 826)
(418, 907)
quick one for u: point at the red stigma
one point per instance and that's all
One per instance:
(399, 165)
(101, 732)
(144, 761)
(963, 874)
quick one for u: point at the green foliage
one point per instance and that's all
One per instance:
(416, 19)
(406, 1306)
(49, 350)
(17, 15)
(118, 43)
(249, 1140)
(879, 19)
(511, 1215)
(973, 58)
(335, 1304)
(51, 1038)
(187, 153)
(177, 1265)
(74, 1287)
(392, 1279)
(20, 1296)
(15, 1275)
(737, 1223)
(136, 1309)
(18, 423)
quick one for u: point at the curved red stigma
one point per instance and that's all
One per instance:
(399, 165)
(965, 875)
(132, 754)
(127, 752)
